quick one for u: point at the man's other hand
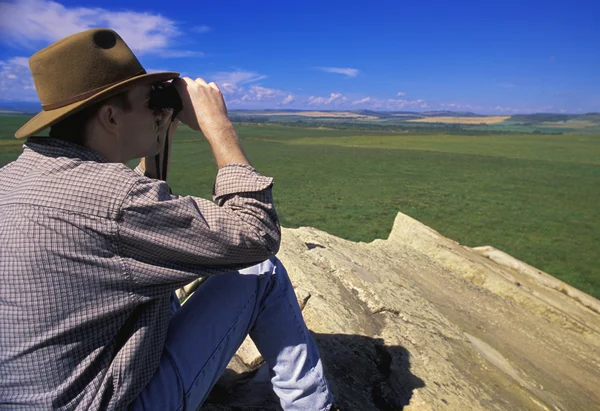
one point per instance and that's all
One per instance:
(203, 105)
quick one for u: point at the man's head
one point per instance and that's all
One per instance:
(95, 70)
(121, 127)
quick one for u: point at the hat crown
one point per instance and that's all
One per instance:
(81, 65)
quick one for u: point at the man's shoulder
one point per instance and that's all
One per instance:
(73, 184)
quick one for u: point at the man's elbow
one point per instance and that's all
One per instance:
(270, 240)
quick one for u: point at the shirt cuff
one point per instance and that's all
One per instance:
(239, 178)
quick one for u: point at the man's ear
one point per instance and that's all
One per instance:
(109, 118)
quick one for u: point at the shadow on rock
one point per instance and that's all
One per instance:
(363, 373)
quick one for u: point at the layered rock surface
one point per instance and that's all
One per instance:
(419, 322)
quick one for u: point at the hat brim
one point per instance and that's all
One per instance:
(46, 118)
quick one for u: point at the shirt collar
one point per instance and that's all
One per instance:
(53, 147)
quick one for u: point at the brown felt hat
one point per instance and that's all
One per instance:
(80, 70)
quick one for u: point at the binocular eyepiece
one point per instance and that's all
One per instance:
(163, 96)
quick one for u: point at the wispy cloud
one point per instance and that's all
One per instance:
(230, 82)
(241, 91)
(507, 85)
(401, 94)
(398, 104)
(32, 24)
(362, 100)
(348, 72)
(237, 77)
(258, 95)
(459, 106)
(390, 104)
(500, 109)
(16, 83)
(334, 98)
(201, 29)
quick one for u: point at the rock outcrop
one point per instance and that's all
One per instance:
(419, 322)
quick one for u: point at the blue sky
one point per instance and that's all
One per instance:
(483, 56)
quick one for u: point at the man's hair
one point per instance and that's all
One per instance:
(72, 128)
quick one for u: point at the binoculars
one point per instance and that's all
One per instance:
(163, 96)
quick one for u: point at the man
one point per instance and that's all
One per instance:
(91, 251)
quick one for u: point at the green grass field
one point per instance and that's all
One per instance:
(533, 196)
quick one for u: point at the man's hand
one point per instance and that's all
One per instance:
(203, 105)
(204, 110)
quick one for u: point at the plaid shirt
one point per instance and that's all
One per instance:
(90, 253)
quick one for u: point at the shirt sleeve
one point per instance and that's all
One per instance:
(189, 236)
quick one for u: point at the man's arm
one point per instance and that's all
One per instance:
(186, 236)
(204, 110)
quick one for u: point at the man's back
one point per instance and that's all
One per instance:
(91, 252)
(65, 299)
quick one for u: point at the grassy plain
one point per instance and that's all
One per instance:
(533, 196)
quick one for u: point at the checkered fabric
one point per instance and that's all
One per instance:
(90, 253)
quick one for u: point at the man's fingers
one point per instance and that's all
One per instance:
(201, 81)
(203, 103)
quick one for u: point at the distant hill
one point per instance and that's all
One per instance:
(550, 117)
(450, 114)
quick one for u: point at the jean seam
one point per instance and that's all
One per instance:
(168, 356)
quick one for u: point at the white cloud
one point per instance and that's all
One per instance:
(16, 83)
(362, 100)
(390, 104)
(349, 72)
(258, 93)
(401, 94)
(335, 98)
(458, 106)
(201, 29)
(508, 109)
(242, 90)
(35, 23)
(230, 82)
(397, 104)
(236, 86)
(20, 61)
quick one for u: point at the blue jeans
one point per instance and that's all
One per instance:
(207, 330)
